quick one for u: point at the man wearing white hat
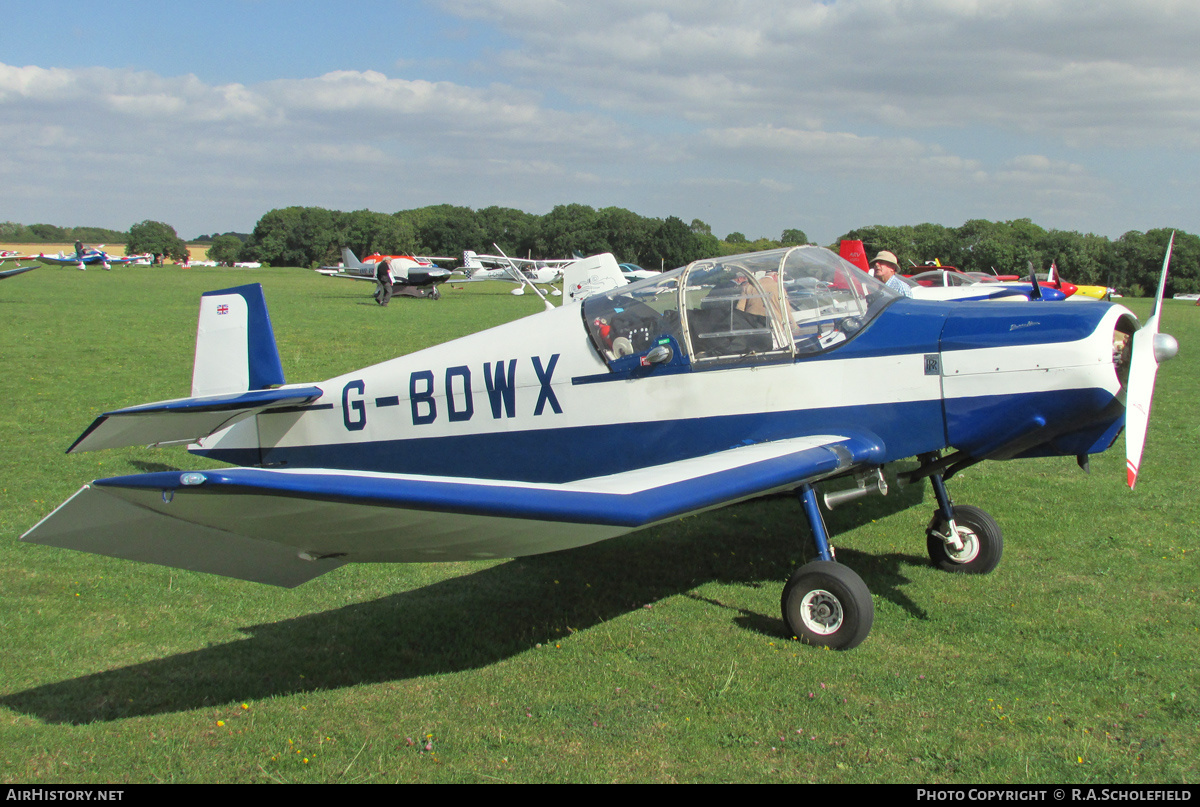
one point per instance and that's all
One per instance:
(885, 267)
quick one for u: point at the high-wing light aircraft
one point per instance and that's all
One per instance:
(84, 257)
(411, 276)
(718, 382)
(522, 271)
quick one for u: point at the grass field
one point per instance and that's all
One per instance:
(659, 656)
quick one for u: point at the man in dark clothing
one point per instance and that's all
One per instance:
(383, 274)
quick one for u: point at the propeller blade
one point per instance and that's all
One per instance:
(1149, 349)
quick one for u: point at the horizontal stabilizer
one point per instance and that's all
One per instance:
(184, 420)
(317, 515)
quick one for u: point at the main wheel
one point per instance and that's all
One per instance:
(982, 542)
(435, 294)
(826, 604)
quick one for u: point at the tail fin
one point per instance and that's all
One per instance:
(471, 260)
(351, 260)
(854, 252)
(235, 345)
(593, 275)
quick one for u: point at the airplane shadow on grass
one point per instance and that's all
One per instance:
(478, 619)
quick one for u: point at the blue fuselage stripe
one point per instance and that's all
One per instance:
(568, 454)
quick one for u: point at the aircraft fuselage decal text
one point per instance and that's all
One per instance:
(499, 379)
(354, 412)
(546, 394)
(502, 389)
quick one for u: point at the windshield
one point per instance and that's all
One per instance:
(754, 307)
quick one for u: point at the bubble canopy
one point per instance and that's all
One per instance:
(773, 305)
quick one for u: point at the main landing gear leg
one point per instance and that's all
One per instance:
(961, 538)
(825, 603)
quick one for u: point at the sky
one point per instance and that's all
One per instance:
(754, 117)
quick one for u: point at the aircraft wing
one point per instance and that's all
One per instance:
(20, 270)
(184, 420)
(287, 526)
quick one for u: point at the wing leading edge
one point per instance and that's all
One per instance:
(287, 526)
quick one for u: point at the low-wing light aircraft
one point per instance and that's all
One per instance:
(1054, 280)
(84, 257)
(412, 276)
(939, 284)
(717, 382)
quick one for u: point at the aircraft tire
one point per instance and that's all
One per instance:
(827, 605)
(435, 294)
(983, 543)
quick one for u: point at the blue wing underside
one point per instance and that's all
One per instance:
(287, 526)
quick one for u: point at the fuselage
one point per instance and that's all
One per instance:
(538, 400)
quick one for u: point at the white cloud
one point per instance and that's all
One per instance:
(784, 111)
(1113, 73)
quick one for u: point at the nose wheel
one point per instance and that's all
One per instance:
(974, 547)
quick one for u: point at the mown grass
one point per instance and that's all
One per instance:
(655, 657)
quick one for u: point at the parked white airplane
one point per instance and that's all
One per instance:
(514, 270)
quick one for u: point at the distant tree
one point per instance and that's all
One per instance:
(934, 242)
(48, 232)
(626, 234)
(515, 231)
(447, 230)
(699, 227)
(156, 237)
(95, 235)
(366, 232)
(292, 236)
(13, 233)
(568, 229)
(736, 238)
(673, 244)
(224, 249)
(793, 237)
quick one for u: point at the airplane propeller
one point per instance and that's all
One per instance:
(1150, 349)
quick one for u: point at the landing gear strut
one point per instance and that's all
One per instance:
(962, 538)
(828, 605)
(824, 603)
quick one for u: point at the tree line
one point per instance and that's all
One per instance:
(1131, 263)
(313, 236)
(13, 233)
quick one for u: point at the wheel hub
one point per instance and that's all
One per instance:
(821, 612)
(970, 546)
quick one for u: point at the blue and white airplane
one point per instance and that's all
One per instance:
(84, 257)
(718, 382)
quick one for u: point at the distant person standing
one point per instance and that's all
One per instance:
(383, 274)
(887, 268)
